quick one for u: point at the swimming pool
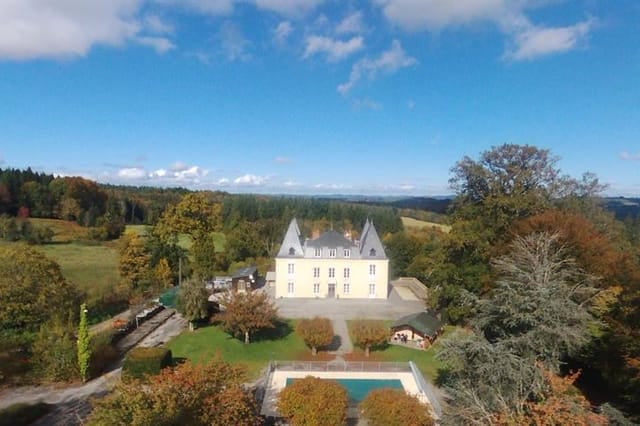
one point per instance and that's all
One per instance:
(359, 388)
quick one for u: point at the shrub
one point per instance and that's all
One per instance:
(55, 356)
(103, 352)
(142, 362)
(316, 332)
(23, 414)
(314, 401)
(394, 407)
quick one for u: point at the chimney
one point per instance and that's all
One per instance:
(315, 234)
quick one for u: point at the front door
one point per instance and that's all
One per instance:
(332, 291)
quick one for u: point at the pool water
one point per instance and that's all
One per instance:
(359, 388)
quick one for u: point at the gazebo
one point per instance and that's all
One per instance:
(422, 328)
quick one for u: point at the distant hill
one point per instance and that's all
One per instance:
(623, 207)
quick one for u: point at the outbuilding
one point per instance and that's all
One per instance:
(421, 327)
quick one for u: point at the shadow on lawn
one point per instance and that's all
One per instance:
(281, 330)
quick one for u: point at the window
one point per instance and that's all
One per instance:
(332, 272)
(292, 251)
(346, 253)
(372, 289)
(372, 269)
(316, 288)
(332, 252)
(372, 252)
(290, 268)
(290, 288)
(347, 288)
(316, 272)
(347, 272)
(318, 252)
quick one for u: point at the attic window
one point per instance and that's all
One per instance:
(292, 251)
(372, 252)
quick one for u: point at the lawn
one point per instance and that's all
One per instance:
(204, 343)
(425, 360)
(409, 222)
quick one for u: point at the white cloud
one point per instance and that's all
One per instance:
(367, 103)
(223, 181)
(251, 180)
(233, 43)
(292, 8)
(351, 24)
(436, 14)
(388, 62)
(209, 7)
(334, 49)
(33, 28)
(282, 31)
(159, 44)
(192, 174)
(179, 166)
(536, 42)
(282, 160)
(160, 173)
(154, 24)
(132, 173)
(628, 156)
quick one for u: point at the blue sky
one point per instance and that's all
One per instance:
(316, 96)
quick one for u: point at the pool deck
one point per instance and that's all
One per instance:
(279, 380)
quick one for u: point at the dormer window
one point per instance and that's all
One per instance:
(332, 252)
(292, 251)
(347, 253)
(318, 252)
(372, 252)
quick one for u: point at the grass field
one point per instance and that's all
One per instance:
(184, 240)
(409, 222)
(63, 231)
(204, 343)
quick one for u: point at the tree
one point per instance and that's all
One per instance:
(198, 213)
(135, 264)
(244, 313)
(314, 401)
(316, 332)
(32, 290)
(244, 242)
(84, 349)
(205, 265)
(203, 394)
(55, 351)
(192, 301)
(394, 407)
(163, 273)
(368, 334)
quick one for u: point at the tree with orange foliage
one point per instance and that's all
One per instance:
(316, 332)
(368, 334)
(314, 401)
(394, 407)
(204, 394)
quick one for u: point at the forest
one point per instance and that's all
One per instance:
(535, 264)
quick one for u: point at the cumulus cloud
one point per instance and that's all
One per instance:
(527, 40)
(32, 28)
(178, 173)
(251, 180)
(209, 7)
(132, 173)
(351, 24)
(154, 24)
(388, 62)
(294, 8)
(536, 41)
(628, 156)
(282, 31)
(334, 50)
(233, 43)
(159, 44)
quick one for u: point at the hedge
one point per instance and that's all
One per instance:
(23, 414)
(142, 362)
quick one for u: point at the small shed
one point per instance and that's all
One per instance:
(421, 327)
(245, 278)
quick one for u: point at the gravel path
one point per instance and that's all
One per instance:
(340, 329)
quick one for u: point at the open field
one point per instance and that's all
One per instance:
(64, 231)
(205, 343)
(409, 222)
(184, 240)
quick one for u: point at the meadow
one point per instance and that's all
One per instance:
(409, 222)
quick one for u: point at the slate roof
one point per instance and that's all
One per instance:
(245, 272)
(291, 240)
(331, 239)
(370, 241)
(423, 322)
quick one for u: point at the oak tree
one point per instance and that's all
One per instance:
(192, 301)
(369, 334)
(243, 313)
(314, 401)
(394, 407)
(316, 332)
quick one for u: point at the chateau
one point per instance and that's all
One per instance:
(332, 265)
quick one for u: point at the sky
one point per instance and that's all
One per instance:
(378, 97)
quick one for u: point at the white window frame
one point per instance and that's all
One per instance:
(372, 269)
(317, 252)
(316, 288)
(346, 287)
(316, 272)
(372, 289)
(332, 272)
(346, 253)
(332, 252)
(291, 288)
(346, 273)
(290, 268)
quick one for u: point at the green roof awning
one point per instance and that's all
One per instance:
(423, 322)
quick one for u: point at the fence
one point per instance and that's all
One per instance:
(427, 389)
(355, 366)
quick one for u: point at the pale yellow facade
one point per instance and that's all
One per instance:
(332, 278)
